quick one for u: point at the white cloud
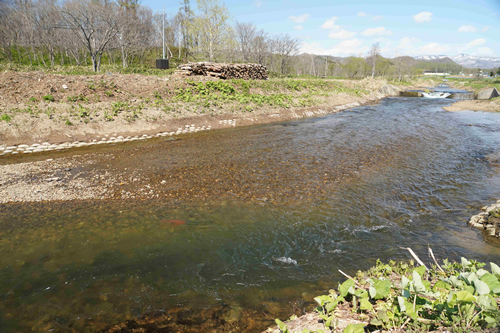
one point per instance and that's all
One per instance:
(484, 51)
(342, 34)
(433, 48)
(258, 3)
(423, 17)
(407, 43)
(486, 28)
(298, 27)
(380, 31)
(475, 42)
(344, 48)
(467, 28)
(349, 47)
(376, 18)
(361, 14)
(299, 19)
(330, 23)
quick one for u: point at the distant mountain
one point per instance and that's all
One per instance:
(468, 61)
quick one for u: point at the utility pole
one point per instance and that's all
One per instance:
(163, 21)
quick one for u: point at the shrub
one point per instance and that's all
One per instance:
(5, 117)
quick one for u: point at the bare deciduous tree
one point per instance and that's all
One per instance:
(372, 57)
(285, 47)
(94, 24)
(245, 34)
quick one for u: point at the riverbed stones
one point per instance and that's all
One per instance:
(489, 220)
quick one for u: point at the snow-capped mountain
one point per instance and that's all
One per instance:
(466, 60)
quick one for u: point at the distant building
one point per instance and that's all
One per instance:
(438, 73)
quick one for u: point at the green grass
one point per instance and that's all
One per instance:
(476, 85)
(87, 70)
(283, 93)
(5, 117)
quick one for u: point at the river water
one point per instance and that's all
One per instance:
(263, 218)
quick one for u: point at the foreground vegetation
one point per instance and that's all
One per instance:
(461, 297)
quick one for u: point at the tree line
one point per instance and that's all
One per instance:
(76, 32)
(46, 33)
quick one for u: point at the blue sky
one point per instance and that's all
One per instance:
(350, 27)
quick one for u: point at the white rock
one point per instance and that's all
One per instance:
(65, 86)
(491, 208)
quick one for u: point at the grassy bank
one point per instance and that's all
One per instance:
(461, 297)
(474, 85)
(36, 104)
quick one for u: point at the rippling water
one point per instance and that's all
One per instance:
(285, 206)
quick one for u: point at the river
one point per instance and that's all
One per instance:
(253, 222)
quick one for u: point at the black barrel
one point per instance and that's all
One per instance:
(162, 63)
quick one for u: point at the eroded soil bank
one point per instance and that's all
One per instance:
(37, 107)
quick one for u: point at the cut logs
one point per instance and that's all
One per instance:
(225, 71)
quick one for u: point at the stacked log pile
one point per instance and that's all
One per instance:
(225, 71)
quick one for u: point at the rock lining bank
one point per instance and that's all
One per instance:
(488, 220)
(28, 148)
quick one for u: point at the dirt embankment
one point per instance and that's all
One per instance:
(36, 107)
(486, 106)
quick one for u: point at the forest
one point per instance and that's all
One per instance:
(126, 36)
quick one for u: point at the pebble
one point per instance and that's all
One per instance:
(54, 179)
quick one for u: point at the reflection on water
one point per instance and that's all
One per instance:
(406, 174)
